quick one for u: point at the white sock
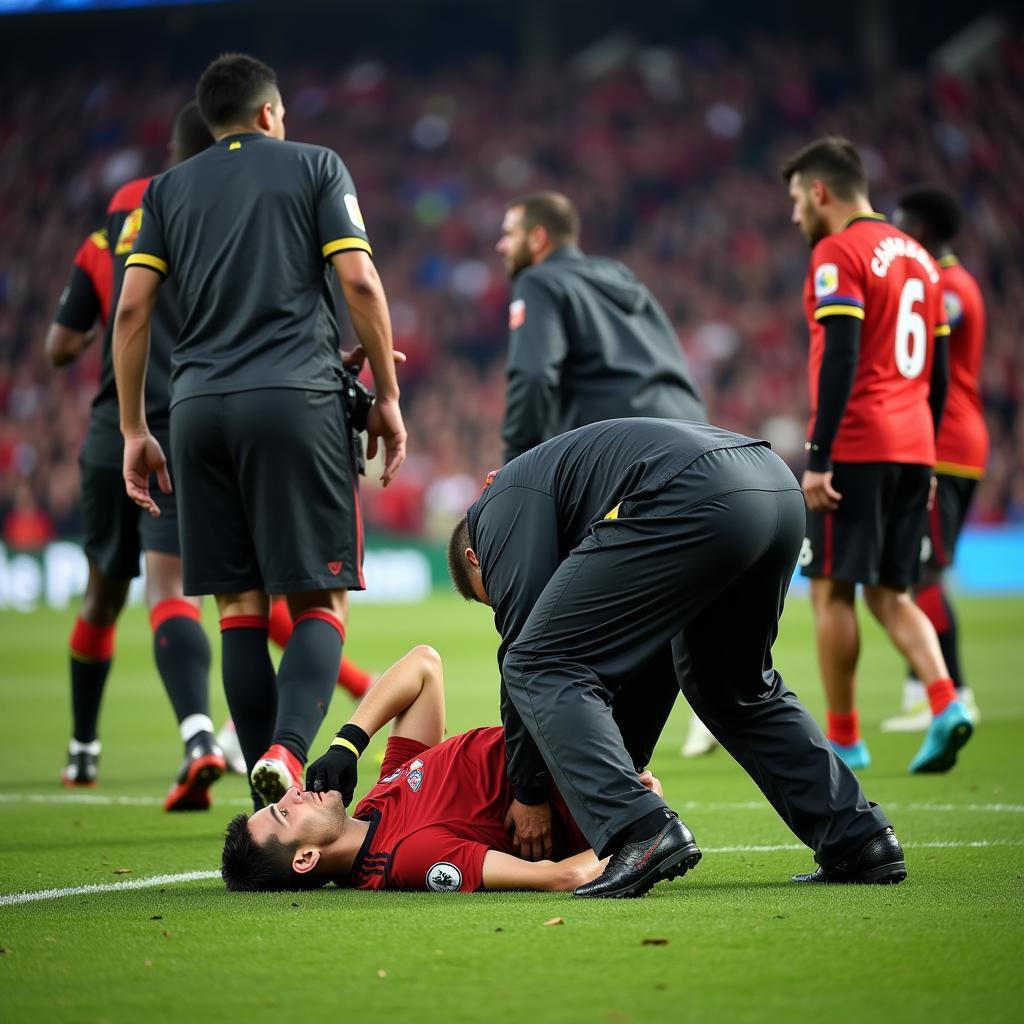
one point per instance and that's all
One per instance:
(193, 724)
(914, 693)
(93, 748)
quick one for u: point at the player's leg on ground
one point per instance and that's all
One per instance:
(350, 676)
(250, 683)
(838, 642)
(181, 651)
(725, 666)
(91, 654)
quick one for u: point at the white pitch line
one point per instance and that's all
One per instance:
(19, 898)
(103, 800)
(14, 899)
(99, 800)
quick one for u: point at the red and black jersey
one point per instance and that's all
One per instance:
(103, 445)
(436, 811)
(962, 447)
(87, 296)
(875, 272)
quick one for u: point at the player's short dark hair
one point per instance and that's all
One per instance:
(233, 88)
(552, 211)
(835, 161)
(458, 565)
(937, 209)
(248, 866)
(190, 135)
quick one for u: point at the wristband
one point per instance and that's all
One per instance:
(351, 737)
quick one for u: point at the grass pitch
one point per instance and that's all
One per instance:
(733, 941)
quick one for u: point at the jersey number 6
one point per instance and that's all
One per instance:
(911, 333)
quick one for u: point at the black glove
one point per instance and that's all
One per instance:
(337, 768)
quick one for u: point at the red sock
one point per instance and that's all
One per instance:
(930, 600)
(844, 729)
(353, 678)
(941, 694)
(281, 626)
(91, 643)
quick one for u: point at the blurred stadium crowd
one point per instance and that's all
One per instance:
(672, 158)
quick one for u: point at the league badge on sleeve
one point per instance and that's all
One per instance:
(954, 308)
(444, 877)
(415, 776)
(516, 314)
(826, 280)
(354, 213)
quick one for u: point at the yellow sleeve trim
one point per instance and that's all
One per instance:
(614, 514)
(823, 311)
(953, 469)
(942, 331)
(141, 259)
(343, 244)
(99, 239)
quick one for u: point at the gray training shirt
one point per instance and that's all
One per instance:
(243, 230)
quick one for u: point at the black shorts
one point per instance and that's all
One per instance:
(267, 492)
(875, 535)
(953, 499)
(117, 530)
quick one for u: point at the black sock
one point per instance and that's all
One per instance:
(306, 680)
(182, 654)
(644, 828)
(92, 649)
(249, 683)
(949, 642)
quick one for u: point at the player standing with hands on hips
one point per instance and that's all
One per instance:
(878, 376)
(261, 427)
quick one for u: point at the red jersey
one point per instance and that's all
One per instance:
(436, 811)
(877, 273)
(93, 259)
(962, 447)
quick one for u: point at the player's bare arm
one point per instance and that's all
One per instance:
(410, 695)
(143, 455)
(503, 871)
(64, 344)
(368, 308)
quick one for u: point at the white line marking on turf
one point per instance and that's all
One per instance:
(14, 899)
(104, 800)
(99, 800)
(18, 898)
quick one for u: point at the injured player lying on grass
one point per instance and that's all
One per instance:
(436, 821)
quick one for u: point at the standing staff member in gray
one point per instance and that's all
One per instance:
(600, 548)
(587, 342)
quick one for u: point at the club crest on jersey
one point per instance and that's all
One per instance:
(444, 877)
(129, 232)
(826, 280)
(354, 213)
(516, 314)
(415, 776)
